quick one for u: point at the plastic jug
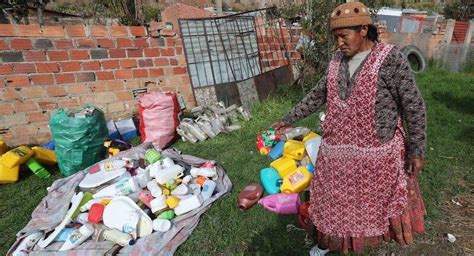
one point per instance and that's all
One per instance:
(188, 204)
(296, 181)
(123, 187)
(292, 133)
(277, 150)
(209, 172)
(284, 165)
(312, 147)
(310, 136)
(249, 196)
(37, 168)
(117, 237)
(303, 217)
(44, 156)
(16, 156)
(270, 178)
(169, 173)
(9, 175)
(281, 203)
(294, 149)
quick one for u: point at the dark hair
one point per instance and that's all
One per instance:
(372, 33)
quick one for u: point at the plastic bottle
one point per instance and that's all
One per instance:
(121, 188)
(249, 196)
(188, 204)
(294, 149)
(180, 190)
(292, 133)
(152, 156)
(146, 197)
(118, 237)
(108, 165)
(154, 169)
(142, 176)
(95, 213)
(16, 156)
(167, 215)
(204, 171)
(77, 237)
(195, 188)
(64, 234)
(157, 204)
(86, 198)
(44, 156)
(25, 246)
(9, 175)
(172, 202)
(269, 178)
(284, 166)
(82, 218)
(154, 189)
(296, 181)
(277, 150)
(37, 168)
(169, 173)
(207, 189)
(281, 203)
(167, 162)
(161, 225)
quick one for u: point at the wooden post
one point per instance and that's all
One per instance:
(448, 36)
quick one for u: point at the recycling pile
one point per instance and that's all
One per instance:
(124, 199)
(211, 120)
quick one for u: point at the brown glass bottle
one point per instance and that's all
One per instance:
(249, 196)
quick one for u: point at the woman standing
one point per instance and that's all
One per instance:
(364, 189)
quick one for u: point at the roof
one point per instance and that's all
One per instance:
(180, 11)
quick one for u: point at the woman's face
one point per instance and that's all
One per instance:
(350, 41)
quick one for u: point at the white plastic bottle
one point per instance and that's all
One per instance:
(167, 162)
(180, 190)
(27, 244)
(121, 188)
(108, 165)
(154, 169)
(154, 189)
(82, 218)
(158, 204)
(142, 177)
(118, 237)
(204, 171)
(77, 237)
(207, 189)
(161, 225)
(188, 204)
(169, 173)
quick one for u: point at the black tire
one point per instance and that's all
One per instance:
(415, 59)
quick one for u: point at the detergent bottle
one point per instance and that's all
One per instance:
(270, 178)
(294, 149)
(284, 165)
(209, 172)
(296, 181)
(44, 156)
(16, 156)
(9, 175)
(207, 189)
(281, 203)
(277, 151)
(249, 196)
(188, 204)
(169, 173)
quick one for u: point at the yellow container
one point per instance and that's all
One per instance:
(45, 156)
(172, 202)
(310, 136)
(9, 175)
(296, 181)
(16, 156)
(3, 147)
(284, 165)
(294, 149)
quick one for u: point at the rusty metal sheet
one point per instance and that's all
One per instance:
(283, 75)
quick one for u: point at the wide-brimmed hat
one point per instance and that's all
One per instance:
(350, 15)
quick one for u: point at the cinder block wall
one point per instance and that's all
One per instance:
(50, 67)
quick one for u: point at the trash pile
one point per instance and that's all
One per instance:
(210, 121)
(294, 152)
(126, 198)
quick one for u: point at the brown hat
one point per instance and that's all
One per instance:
(350, 15)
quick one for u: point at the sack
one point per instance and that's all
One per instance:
(78, 137)
(158, 113)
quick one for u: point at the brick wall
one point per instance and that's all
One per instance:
(46, 68)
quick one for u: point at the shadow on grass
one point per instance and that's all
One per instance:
(464, 104)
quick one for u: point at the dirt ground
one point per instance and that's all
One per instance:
(458, 220)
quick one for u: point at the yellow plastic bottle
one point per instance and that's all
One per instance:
(294, 149)
(9, 175)
(284, 165)
(16, 156)
(310, 136)
(45, 156)
(296, 181)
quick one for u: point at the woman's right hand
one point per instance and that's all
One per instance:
(280, 124)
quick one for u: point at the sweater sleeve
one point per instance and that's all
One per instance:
(310, 103)
(411, 105)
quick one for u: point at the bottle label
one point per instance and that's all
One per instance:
(296, 178)
(75, 236)
(123, 187)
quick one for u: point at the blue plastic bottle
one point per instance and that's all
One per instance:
(270, 178)
(277, 151)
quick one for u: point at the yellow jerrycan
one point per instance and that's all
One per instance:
(296, 181)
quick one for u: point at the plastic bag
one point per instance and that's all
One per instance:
(78, 137)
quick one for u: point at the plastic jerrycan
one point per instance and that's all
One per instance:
(249, 196)
(44, 156)
(9, 175)
(270, 178)
(281, 203)
(294, 149)
(284, 165)
(296, 181)
(16, 156)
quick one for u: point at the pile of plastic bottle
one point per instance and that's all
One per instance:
(294, 152)
(124, 199)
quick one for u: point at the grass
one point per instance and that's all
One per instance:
(225, 230)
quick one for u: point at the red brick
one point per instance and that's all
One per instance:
(7, 30)
(135, 53)
(6, 69)
(66, 78)
(119, 31)
(110, 64)
(53, 31)
(145, 63)
(123, 95)
(3, 44)
(78, 88)
(34, 55)
(37, 116)
(115, 85)
(33, 30)
(128, 63)
(123, 74)
(17, 80)
(70, 66)
(173, 62)
(99, 31)
(6, 109)
(151, 52)
(63, 44)
(58, 55)
(98, 87)
(141, 42)
(47, 104)
(75, 31)
(56, 91)
(137, 31)
(85, 43)
(42, 79)
(178, 42)
(33, 92)
(169, 42)
(179, 50)
(91, 65)
(117, 53)
(104, 75)
(79, 54)
(105, 43)
(85, 77)
(25, 68)
(139, 73)
(47, 67)
(124, 42)
(167, 52)
(160, 62)
(68, 103)
(25, 106)
(11, 94)
(154, 72)
(21, 44)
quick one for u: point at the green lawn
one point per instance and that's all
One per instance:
(225, 230)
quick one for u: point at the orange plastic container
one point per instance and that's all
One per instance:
(44, 156)
(296, 181)
(9, 175)
(16, 156)
(284, 166)
(294, 149)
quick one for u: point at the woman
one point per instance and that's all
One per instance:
(364, 189)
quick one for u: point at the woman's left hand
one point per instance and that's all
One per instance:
(415, 165)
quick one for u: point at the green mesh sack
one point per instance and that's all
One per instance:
(78, 136)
